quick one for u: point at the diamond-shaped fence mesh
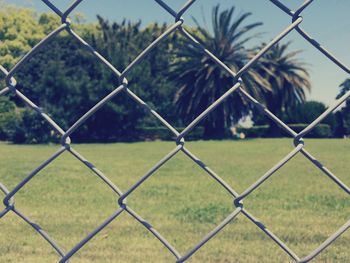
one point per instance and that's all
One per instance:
(123, 207)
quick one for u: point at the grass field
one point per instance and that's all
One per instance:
(298, 203)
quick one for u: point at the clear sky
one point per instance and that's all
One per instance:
(326, 20)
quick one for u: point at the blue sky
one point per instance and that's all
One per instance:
(326, 20)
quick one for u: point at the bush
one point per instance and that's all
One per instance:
(255, 131)
(27, 126)
(163, 133)
(7, 113)
(320, 131)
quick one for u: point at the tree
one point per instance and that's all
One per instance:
(201, 81)
(122, 43)
(22, 28)
(66, 81)
(289, 80)
(343, 116)
(19, 32)
(308, 112)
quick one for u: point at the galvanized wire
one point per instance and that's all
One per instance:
(123, 207)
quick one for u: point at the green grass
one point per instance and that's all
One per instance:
(298, 203)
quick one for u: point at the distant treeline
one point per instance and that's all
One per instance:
(66, 80)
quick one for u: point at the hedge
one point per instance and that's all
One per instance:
(320, 131)
(163, 133)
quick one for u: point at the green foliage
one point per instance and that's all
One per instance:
(19, 32)
(289, 80)
(343, 116)
(201, 81)
(305, 112)
(278, 79)
(27, 126)
(48, 22)
(320, 131)
(66, 81)
(264, 131)
(7, 112)
(257, 131)
(308, 112)
(288, 77)
(163, 133)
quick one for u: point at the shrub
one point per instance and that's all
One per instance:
(320, 131)
(7, 112)
(255, 131)
(27, 126)
(163, 133)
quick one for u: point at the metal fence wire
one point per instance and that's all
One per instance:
(123, 207)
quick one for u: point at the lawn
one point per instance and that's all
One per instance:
(298, 203)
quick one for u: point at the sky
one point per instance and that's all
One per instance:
(325, 20)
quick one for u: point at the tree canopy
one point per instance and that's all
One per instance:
(176, 79)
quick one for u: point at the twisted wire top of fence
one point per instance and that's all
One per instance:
(123, 207)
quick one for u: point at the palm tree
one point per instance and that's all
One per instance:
(201, 81)
(288, 78)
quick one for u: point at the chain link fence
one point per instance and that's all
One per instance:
(238, 208)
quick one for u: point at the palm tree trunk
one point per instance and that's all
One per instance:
(216, 129)
(274, 130)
